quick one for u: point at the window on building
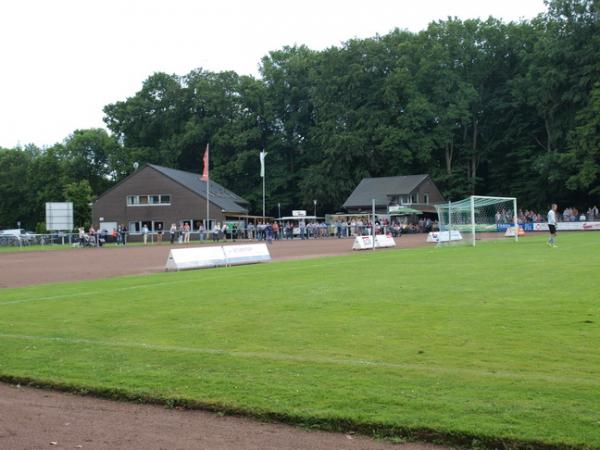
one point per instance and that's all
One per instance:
(405, 200)
(158, 225)
(148, 200)
(134, 227)
(426, 198)
(414, 198)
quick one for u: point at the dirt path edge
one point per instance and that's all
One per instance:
(338, 425)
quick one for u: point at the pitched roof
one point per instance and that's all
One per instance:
(220, 196)
(380, 188)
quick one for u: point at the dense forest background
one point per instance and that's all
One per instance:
(484, 107)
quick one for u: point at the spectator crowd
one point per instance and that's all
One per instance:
(569, 214)
(339, 227)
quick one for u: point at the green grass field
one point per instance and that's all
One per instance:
(497, 345)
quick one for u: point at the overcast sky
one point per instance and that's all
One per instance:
(64, 60)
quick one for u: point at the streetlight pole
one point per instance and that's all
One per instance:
(315, 203)
(279, 209)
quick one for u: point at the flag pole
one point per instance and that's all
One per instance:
(207, 191)
(263, 154)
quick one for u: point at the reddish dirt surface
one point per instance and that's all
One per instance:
(35, 419)
(38, 419)
(22, 268)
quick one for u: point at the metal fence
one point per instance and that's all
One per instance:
(331, 231)
(8, 240)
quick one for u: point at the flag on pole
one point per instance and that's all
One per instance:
(262, 163)
(205, 160)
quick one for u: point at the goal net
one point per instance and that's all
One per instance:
(476, 217)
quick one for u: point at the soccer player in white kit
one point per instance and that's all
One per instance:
(552, 225)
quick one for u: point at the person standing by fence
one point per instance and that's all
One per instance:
(186, 233)
(173, 232)
(159, 233)
(123, 234)
(145, 233)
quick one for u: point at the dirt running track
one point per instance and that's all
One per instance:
(25, 268)
(37, 419)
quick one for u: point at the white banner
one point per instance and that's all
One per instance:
(298, 213)
(510, 231)
(568, 226)
(384, 241)
(366, 242)
(362, 243)
(204, 257)
(442, 236)
(246, 254)
(195, 258)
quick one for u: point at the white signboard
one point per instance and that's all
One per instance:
(59, 216)
(362, 243)
(569, 226)
(384, 241)
(510, 231)
(204, 257)
(442, 236)
(366, 242)
(299, 213)
(195, 258)
(246, 254)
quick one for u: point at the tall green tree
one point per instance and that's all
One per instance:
(91, 155)
(80, 193)
(583, 158)
(16, 200)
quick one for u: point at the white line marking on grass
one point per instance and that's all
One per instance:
(529, 376)
(88, 293)
(332, 261)
(108, 290)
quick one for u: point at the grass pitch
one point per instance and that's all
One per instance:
(496, 345)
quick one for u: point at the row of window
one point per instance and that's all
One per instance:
(136, 227)
(148, 200)
(409, 199)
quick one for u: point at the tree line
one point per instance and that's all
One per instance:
(483, 106)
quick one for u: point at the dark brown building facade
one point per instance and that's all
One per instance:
(415, 191)
(158, 196)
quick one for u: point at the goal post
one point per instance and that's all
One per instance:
(477, 217)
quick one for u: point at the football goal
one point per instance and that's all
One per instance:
(475, 217)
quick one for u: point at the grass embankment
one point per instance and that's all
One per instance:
(496, 344)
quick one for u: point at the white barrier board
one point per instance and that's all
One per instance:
(195, 258)
(362, 243)
(568, 226)
(384, 241)
(442, 236)
(366, 242)
(204, 257)
(246, 254)
(510, 232)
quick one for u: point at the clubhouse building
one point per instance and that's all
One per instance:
(418, 192)
(158, 196)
